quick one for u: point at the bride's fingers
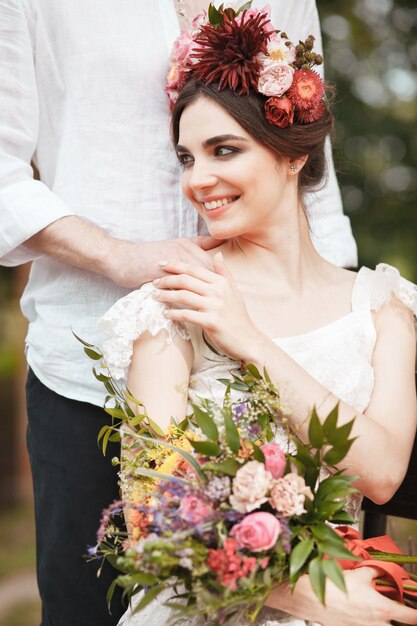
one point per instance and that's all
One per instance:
(191, 270)
(188, 316)
(182, 281)
(181, 297)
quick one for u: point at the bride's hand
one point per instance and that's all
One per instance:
(361, 605)
(212, 301)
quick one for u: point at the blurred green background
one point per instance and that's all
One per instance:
(371, 56)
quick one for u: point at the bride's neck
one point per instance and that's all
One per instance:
(283, 253)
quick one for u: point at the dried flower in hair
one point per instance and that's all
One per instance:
(311, 115)
(307, 90)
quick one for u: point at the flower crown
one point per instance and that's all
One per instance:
(240, 49)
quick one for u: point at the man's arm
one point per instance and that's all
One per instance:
(34, 220)
(26, 205)
(75, 241)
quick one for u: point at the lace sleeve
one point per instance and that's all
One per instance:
(126, 320)
(387, 280)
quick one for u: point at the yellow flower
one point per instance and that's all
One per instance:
(170, 465)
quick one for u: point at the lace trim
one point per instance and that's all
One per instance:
(129, 318)
(387, 280)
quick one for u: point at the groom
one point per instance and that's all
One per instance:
(83, 95)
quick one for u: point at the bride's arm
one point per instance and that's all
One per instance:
(385, 431)
(159, 375)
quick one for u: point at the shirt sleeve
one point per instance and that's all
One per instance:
(26, 205)
(331, 231)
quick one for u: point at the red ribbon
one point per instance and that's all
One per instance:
(391, 572)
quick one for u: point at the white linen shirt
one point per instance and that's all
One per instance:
(82, 94)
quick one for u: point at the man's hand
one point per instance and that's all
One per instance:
(134, 264)
(74, 241)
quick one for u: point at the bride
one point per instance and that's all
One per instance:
(326, 335)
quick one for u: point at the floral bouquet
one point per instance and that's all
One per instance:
(220, 512)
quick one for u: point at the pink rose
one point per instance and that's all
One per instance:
(193, 509)
(257, 532)
(275, 78)
(182, 48)
(275, 460)
(243, 17)
(250, 486)
(199, 20)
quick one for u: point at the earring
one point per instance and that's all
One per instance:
(293, 168)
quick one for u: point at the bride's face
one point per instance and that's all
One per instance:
(236, 184)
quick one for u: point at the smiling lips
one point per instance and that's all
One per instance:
(212, 205)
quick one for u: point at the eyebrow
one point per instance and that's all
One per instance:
(214, 141)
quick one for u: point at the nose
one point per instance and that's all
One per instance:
(201, 176)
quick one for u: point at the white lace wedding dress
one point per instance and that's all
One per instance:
(338, 355)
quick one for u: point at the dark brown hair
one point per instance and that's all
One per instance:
(292, 142)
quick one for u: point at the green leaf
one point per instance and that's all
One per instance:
(257, 453)
(208, 344)
(143, 578)
(341, 435)
(102, 431)
(149, 596)
(324, 532)
(315, 431)
(116, 412)
(299, 555)
(343, 518)
(304, 455)
(101, 377)
(105, 441)
(317, 579)
(335, 455)
(250, 367)
(157, 429)
(150, 473)
(333, 570)
(208, 448)
(110, 592)
(89, 345)
(330, 423)
(206, 423)
(244, 7)
(337, 551)
(232, 434)
(96, 356)
(229, 467)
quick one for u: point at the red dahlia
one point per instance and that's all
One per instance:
(227, 53)
(307, 90)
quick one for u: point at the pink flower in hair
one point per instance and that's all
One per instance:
(275, 78)
(248, 14)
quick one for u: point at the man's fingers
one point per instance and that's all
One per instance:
(205, 242)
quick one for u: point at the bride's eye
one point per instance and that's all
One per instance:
(224, 150)
(184, 159)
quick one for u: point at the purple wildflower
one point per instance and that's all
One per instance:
(114, 509)
(240, 410)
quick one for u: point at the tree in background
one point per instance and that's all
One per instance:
(371, 55)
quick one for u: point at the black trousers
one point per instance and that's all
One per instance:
(73, 482)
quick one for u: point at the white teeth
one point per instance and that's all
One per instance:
(216, 204)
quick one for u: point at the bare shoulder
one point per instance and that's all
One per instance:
(396, 316)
